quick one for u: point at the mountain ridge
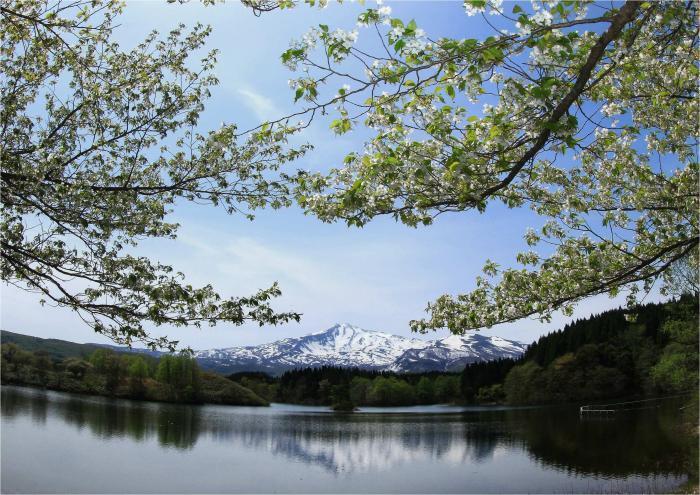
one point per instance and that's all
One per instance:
(346, 345)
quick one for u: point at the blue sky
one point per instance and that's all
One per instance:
(378, 277)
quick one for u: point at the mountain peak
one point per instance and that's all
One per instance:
(345, 327)
(339, 328)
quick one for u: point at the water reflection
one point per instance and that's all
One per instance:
(361, 443)
(636, 444)
(642, 442)
(173, 425)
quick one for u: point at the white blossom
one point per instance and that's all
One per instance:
(471, 10)
(542, 17)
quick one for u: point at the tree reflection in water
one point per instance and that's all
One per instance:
(174, 425)
(642, 443)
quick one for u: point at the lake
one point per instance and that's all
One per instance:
(58, 442)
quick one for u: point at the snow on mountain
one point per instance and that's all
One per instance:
(350, 346)
(454, 352)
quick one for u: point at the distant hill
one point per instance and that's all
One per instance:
(60, 349)
(57, 349)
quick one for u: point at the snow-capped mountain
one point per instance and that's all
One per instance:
(350, 346)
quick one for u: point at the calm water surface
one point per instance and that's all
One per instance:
(56, 442)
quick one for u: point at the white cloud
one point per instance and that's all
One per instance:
(322, 279)
(262, 106)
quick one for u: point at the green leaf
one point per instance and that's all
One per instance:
(341, 126)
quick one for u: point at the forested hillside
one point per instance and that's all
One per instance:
(650, 350)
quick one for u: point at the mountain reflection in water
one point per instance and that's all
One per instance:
(640, 444)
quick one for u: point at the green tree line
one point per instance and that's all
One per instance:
(346, 388)
(171, 378)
